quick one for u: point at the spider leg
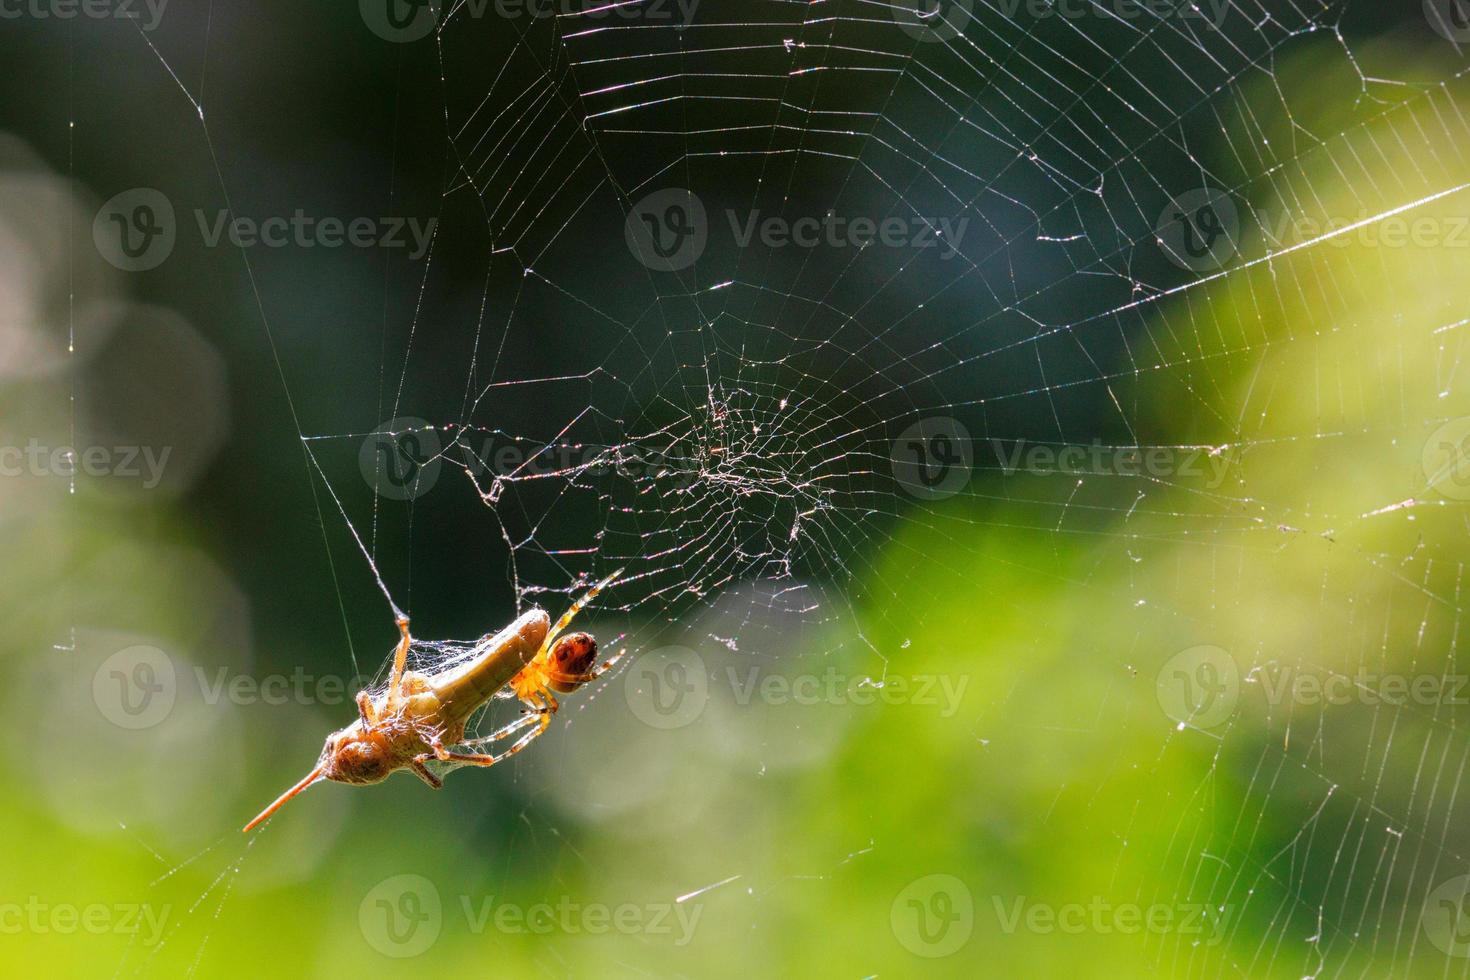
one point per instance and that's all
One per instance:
(400, 657)
(541, 701)
(422, 771)
(504, 731)
(594, 673)
(574, 609)
(475, 759)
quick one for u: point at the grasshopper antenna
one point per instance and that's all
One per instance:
(265, 814)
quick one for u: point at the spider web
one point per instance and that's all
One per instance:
(735, 418)
(728, 426)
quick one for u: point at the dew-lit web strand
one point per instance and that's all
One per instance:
(611, 179)
(1172, 291)
(559, 287)
(856, 155)
(1008, 244)
(228, 875)
(260, 312)
(682, 54)
(515, 575)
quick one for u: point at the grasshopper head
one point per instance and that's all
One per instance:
(355, 756)
(350, 756)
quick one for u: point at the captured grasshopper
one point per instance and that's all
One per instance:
(419, 716)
